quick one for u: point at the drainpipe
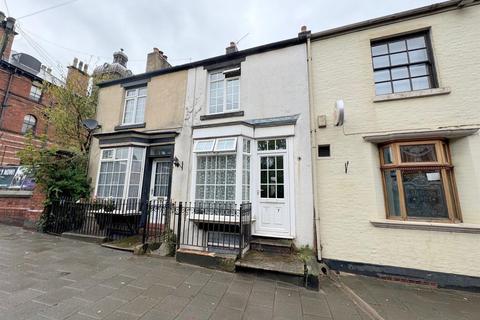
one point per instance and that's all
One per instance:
(313, 140)
(5, 97)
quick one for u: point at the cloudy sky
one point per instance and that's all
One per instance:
(186, 30)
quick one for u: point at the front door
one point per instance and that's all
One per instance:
(160, 181)
(273, 218)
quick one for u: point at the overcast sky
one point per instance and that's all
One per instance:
(185, 30)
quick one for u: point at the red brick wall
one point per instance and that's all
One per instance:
(23, 211)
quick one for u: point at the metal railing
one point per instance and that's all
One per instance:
(217, 227)
(110, 218)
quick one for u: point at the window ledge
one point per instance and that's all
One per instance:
(130, 126)
(222, 115)
(412, 94)
(428, 226)
(16, 193)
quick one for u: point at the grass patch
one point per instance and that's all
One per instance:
(126, 243)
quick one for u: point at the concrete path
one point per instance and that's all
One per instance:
(46, 277)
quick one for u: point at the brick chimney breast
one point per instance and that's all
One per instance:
(156, 60)
(77, 77)
(7, 33)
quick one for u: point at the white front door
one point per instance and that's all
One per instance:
(160, 181)
(273, 209)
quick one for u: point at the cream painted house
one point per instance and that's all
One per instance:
(396, 113)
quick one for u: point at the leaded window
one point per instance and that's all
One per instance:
(419, 181)
(403, 64)
(135, 101)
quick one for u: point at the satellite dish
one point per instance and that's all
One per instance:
(339, 113)
(90, 124)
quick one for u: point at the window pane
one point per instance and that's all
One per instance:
(271, 144)
(281, 144)
(400, 73)
(378, 50)
(262, 145)
(229, 144)
(399, 58)
(280, 193)
(397, 46)
(129, 108)
(204, 145)
(387, 155)
(383, 88)
(418, 55)
(381, 75)
(421, 83)
(142, 91)
(424, 194)
(391, 188)
(381, 62)
(233, 94)
(416, 43)
(418, 70)
(418, 153)
(131, 93)
(401, 86)
(140, 111)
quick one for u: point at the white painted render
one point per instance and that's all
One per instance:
(272, 84)
(348, 202)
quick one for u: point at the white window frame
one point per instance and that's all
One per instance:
(212, 141)
(35, 92)
(135, 104)
(232, 148)
(225, 80)
(127, 172)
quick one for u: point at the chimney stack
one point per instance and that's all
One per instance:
(231, 48)
(7, 33)
(77, 77)
(156, 60)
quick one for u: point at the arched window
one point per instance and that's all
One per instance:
(29, 124)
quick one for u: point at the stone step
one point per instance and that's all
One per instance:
(274, 245)
(84, 237)
(212, 260)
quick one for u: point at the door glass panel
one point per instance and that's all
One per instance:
(162, 178)
(424, 194)
(418, 153)
(272, 177)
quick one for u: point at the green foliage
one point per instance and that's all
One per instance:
(170, 240)
(305, 253)
(57, 173)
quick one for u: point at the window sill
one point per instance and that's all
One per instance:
(130, 126)
(222, 115)
(412, 94)
(16, 193)
(428, 226)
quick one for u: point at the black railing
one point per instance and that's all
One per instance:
(110, 218)
(217, 227)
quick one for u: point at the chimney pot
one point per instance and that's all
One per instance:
(304, 28)
(85, 68)
(80, 65)
(49, 70)
(75, 62)
(231, 48)
(2, 16)
(304, 33)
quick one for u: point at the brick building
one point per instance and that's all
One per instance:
(21, 112)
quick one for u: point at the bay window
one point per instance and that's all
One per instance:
(135, 101)
(120, 174)
(222, 173)
(418, 181)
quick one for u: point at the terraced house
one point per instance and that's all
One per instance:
(360, 142)
(397, 170)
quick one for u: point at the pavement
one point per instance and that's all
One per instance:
(46, 277)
